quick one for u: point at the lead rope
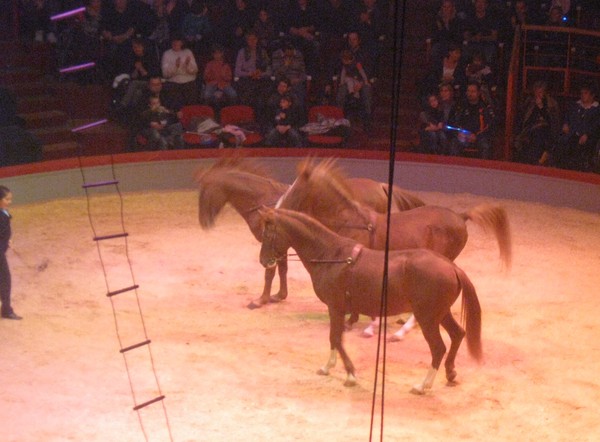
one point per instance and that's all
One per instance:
(398, 40)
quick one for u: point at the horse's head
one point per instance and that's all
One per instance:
(274, 246)
(241, 182)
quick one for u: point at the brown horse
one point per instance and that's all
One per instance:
(247, 186)
(321, 191)
(347, 277)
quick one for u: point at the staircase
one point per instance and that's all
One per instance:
(51, 107)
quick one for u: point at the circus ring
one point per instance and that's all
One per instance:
(233, 374)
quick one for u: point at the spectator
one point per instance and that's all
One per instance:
(218, 77)
(117, 26)
(17, 145)
(140, 67)
(336, 21)
(362, 54)
(449, 29)
(565, 5)
(482, 31)
(432, 134)
(35, 19)
(447, 102)
(288, 62)
(475, 119)
(253, 72)
(521, 15)
(539, 126)
(451, 70)
(371, 24)
(478, 70)
(286, 121)
(240, 17)
(283, 87)
(196, 28)
(303, 19)
(154, 88)
(354, 88)
(176, 10)
(553, 46)
(580, 132)
(159, 35)
(180, 71)
(161, 127)
(264, 28)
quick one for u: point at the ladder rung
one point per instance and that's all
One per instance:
(151, 401)
(126, 289)
(134, 346)
(100, 184)
(116, 235)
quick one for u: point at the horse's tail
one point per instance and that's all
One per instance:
(404, 200)
(471, 314)
(494, 218)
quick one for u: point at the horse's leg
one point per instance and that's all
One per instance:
(408, 326)
(431, 332)
(336, 328)
(282, 267)
(369, 331)
(456, 336)
(264, 298)
(353, 319)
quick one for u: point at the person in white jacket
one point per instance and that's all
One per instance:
(180, 71)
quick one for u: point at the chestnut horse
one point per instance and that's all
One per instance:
(247, 186)
(347, 277)
(321, 190)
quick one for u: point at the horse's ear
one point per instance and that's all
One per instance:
(304, 166)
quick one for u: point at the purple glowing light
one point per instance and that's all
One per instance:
(87, 126)
(77, 67)
(67, 14)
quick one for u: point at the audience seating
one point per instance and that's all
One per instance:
(327, 111)
(190, 135)
(244, 117)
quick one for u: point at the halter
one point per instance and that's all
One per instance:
(369, 227)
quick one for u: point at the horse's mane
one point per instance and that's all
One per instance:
(232, 164)
(329, 178)
(212, 197)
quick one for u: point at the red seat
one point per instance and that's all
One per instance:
(325, 111)
(244, 117)
(190, 136)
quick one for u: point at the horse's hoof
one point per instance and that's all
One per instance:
(277, 298)
(367, 333)
(254, 305)
(322, 372)
(350, 383)
(418, 390)
(396, 338)
(347, 326)
(451, 375)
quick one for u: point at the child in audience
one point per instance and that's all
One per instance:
(161, 126)
(217, 79)
(285, 132)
